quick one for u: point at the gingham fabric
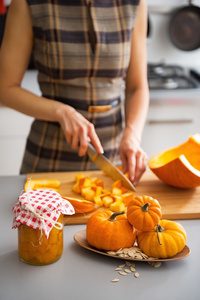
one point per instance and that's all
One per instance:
(40, 209)
(74, 71)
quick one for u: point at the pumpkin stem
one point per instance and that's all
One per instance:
(159, 228)
(145, 207)
(114, 215)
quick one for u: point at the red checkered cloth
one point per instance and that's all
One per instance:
(40, 209)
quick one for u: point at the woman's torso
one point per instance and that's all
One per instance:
(75, 71)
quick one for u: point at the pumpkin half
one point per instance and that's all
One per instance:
(179, 166)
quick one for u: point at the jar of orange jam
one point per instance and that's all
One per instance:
(39, 219)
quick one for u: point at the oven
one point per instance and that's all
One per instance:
(174, 82)
(174, 111)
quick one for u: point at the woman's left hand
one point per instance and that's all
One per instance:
(133, 158)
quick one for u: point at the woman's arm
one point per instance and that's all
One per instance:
(14, 58)
(136, 100)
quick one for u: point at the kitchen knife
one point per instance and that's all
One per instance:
(106, 165)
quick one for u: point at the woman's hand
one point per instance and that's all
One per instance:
(78, 130)
(132, 156)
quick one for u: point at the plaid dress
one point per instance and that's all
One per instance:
(81, 51)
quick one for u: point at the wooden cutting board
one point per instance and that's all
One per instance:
(176, 203)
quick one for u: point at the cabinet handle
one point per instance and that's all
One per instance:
(170, 121)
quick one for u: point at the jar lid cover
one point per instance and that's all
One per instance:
(40, 209)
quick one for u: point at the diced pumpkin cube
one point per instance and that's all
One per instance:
(117, 184)
(126, 198)
(88, 193)
(117, 198)
(117, 206)
(98, 201)
(76, 188)
(116, 191)
(105, 193)
(97, 190)
(85, 181)
(124, 190)
(78, 177)
(100, 183)
(107, 201)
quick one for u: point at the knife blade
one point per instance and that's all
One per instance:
(106, 165)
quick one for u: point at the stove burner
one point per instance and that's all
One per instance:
(171, 77)
(169, 83)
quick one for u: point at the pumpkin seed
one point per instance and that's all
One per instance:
(118, 269)
(156, 264)
(138, 256)
(115, 280)
(127, 271)
(131, 253)
(125, 250)
(119, 251)
(122, 273)
(132, 269)
(111, 252)
(128, 263)
(121, 266)
(136, 274)
(133, 265)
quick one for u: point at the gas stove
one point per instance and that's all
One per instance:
(173, 84)
(162, 76)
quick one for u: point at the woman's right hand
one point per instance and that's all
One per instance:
(78, 130)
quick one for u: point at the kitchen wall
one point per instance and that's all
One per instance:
(160, 47)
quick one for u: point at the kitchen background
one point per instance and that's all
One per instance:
(174, 79)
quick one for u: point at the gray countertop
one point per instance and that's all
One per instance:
(81, 274)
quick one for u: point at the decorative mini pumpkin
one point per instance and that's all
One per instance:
(110, 231)
(144, 213)
(179, 166)
(166, 240)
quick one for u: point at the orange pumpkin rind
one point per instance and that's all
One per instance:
(144, 213)
(179, 166)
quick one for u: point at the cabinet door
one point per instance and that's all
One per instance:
(168, 126)
(11, 150)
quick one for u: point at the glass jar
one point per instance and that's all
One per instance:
(34, 248)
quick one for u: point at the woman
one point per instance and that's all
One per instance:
(84, 51)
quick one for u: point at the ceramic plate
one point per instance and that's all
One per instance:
(80, 239)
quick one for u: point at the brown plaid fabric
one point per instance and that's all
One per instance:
(81, 51)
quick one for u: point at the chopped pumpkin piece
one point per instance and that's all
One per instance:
(107, 201)
(117, 206)
(98, 201)
(116, 191)
(41, 183)
(78, 177)
(127, 197)
(88, 193)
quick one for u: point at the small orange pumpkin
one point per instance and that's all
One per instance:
(144, 213)
(110, 231)
(166, 240)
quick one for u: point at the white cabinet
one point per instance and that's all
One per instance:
(168, 125)
(14, 128)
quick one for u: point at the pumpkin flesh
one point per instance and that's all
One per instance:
(179, 166)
